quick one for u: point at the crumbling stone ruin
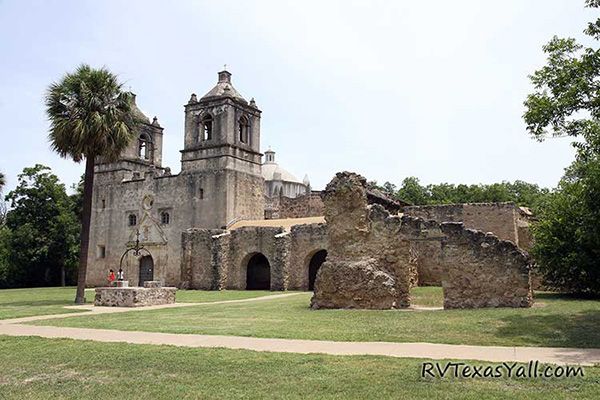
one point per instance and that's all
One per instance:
(505, 220)
(365, 266)
(371, 261)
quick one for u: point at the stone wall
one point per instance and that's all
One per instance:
(214, 259)
(369, 259)
(199, 260)
(504, 220)
(373, 257)
(499, 218)
(243, 244)
(134, 296)
(310, 205)
(482, 270)
(305, 242)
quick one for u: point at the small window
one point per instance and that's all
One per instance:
(206, 128)
(132, 220)
(165, 218)
(201, 193)
(101, 252)
(243, 129)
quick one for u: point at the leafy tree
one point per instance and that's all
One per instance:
(4, 254)
(90, 117)
(412, 192)
(566, 102)
(42, 242)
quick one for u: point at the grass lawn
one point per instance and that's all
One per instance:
(204, 296)
(35, 368)
(17, 303)
(557, 321)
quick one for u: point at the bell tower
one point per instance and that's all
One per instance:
(222, 147)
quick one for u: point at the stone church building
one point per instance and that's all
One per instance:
(229, 219)
(222, 181)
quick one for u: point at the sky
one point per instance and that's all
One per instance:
(389, 89)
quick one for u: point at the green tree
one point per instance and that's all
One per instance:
(566, 102)
(43, 230)
(412, 192)
(91, 117)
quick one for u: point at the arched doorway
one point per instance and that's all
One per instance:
(146, 269)
(313, 267)
(258, 273)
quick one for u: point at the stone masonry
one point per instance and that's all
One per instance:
(370, 263)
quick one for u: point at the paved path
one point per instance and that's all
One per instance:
(553, 355)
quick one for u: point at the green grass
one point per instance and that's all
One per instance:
(204, 296)
(17, 303)
(557, 321)
(36, 368)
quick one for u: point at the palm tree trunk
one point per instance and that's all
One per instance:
(88, 184)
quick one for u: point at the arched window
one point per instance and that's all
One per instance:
(144, 147)
(206, 127)
(243, 129)
(165, 218)
(132, 220)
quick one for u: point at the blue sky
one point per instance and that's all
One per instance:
(388, 89)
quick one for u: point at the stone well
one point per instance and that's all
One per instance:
(150, 295)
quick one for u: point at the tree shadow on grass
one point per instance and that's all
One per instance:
(580, 329)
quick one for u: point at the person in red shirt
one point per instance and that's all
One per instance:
(111, 277)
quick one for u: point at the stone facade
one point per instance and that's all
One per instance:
(220, 182)
(373, 257)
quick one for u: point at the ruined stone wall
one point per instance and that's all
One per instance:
(305, 241)
(369, 263)
(310, 205)
(499, 218)
(482, 270)
(373, 257)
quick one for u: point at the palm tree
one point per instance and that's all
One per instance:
(90, 117)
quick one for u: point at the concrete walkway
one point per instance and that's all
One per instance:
(552, 355)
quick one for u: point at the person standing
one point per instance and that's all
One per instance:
(111, 277)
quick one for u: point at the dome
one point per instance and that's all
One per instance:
(272, 171)
(224, 88)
